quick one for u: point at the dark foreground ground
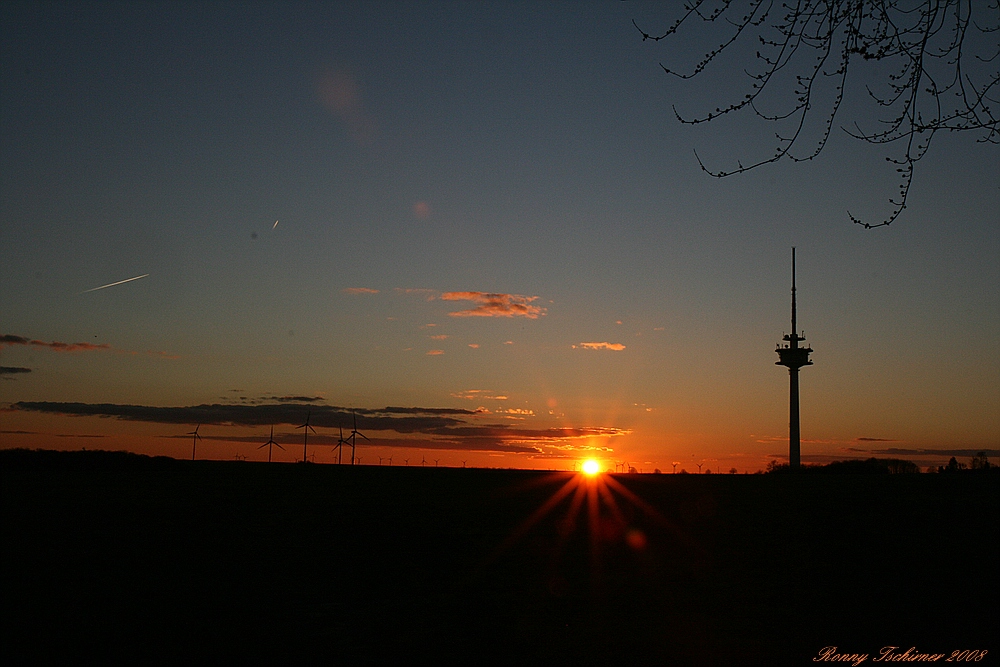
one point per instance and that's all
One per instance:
(171, 562)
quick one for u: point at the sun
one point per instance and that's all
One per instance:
(591, 467)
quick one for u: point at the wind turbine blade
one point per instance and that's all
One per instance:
(362, 435)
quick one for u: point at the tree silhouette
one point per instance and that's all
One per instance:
(935, 75)
(953, 466)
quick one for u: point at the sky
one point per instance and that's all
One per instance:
(476, 230)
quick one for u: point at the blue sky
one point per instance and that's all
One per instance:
(421, 149)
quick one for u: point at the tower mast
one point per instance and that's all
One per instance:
(793, 357)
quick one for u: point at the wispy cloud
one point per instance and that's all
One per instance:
(439, 337)
(479, 394)
(894, 451)
(617, 347)
(434, 353)
(495, 305)
(10, 340)
(359, 290)
(13, 370)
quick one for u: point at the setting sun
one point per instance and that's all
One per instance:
(591, 467)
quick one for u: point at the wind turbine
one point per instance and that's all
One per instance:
(423, 461)
(305, 434)
(194, 440)
(340, 446)
(436, 462)
(270, 442)
(354, 436)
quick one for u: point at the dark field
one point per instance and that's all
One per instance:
(152, 561)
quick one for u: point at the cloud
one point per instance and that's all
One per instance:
(416, 419)
(479, 394)
(439, 337)
(875, 440)
(9, 339)
(423, 428)
(359, 290)
(617, 347)
(495, 305)
(474, 346)
(435, 353)
(892, 451)
(13, 370)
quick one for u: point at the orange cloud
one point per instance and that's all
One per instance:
(359, 290)
(438, 337)
(495, 305)
(472, 394)
(617, 347)
(434, 353)
(474, 345)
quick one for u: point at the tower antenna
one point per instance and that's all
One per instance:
(793, 357)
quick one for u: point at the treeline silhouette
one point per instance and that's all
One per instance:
(874, 466)
(80, 460)
(979, 463)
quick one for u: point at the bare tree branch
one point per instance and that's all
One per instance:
(937, 81)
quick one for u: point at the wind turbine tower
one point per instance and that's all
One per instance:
(305, 435)
(271, 442)
(793, 357)
(194, 440)
(354, 437)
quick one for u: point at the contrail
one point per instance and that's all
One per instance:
(128, 280)
(275, 224)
